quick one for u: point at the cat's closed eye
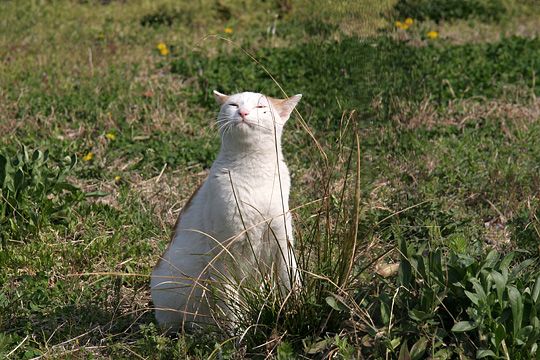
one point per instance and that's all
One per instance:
(233, 104)
(260, 107)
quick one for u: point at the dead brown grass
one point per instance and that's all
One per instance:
(465, 32)
(459, 32)
(461, 112)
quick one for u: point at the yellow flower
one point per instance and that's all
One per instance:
(117, 178)
(110, 136)
(432, 34)
(164, 51)
(228, 30)
(409, 21)
(400, 25)
(162, 48)
(88, 156)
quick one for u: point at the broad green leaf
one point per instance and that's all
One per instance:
(330, 300)
(418, 315)
(385, 313)
(534, 349)
(491, 259)
(505, 262)
(478, 288)
(26, 155)
(18, 180)
(417, 263)
(463, 326)
(436, 266)
(317, 346)
(404, 352)
(71, 160)
(499, 335)
(419, 348)
(96, 194)
(13, 224)
(473, 297)
(500, 285)
(516, 304)
(405, 272)
(458, 243)
(504, 272)
(522, 266)
(535, 322)
(36, 155)
(443, 354)
(394, 343)
(480, 354)
(465, 260)
(525, 333)
(536, 289)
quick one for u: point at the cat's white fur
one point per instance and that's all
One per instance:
(236, 227)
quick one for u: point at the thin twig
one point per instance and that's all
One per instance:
(18, 346)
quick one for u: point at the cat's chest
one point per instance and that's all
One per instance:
(259, 189)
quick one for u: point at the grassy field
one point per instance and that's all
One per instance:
(415, 161)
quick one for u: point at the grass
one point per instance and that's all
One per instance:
(448, 185)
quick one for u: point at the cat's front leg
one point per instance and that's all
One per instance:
(281, 231)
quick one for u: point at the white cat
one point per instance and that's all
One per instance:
(237, 225)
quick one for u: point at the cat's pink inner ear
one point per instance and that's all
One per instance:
(286, 106)
(220, 98)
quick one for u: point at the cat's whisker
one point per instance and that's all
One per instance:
(224, 121)
(226, 129)
(229, 128)
(223, 126)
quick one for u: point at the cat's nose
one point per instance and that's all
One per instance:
(243, 112)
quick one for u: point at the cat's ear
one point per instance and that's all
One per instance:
(286, 106)
(220, 98)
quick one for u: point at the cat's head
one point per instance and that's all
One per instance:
(252, 116)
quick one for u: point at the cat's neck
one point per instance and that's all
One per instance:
(263, 151)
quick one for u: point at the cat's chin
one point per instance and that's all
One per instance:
(243, 124)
